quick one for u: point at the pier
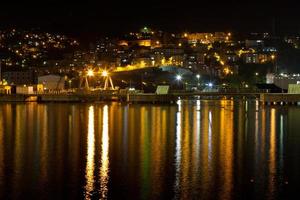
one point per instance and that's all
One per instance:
(264, 98)
(279, 99)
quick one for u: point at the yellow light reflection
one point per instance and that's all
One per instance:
(1, 144)
(226, 147)
(145, 142)
(209, 137)
(272, 163)
(256, 123)
(90, 166)
(43, 115)
(195, 158)
(19, 141)
(104, 169)
(156, 153)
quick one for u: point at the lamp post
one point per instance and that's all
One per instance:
(0, 72)
(256, 77)
(273, 57)
(108, 80)
(90, 73)
(178, 78)
(70, 84)
(198, 78)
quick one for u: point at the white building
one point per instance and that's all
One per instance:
(52, 82)
(283, 80)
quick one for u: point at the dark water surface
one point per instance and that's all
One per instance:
(193, 150)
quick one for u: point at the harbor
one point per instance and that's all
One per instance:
(278, 99)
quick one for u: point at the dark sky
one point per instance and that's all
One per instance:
(113, 17)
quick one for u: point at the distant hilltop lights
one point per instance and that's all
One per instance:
(220, 56)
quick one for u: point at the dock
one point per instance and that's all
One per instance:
(279, 99)
(263, 98)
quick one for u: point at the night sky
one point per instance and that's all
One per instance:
(114, 17)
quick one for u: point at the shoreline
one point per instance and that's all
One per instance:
(264, 98)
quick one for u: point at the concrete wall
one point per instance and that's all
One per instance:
(294, 89)
(24, 90)
(52, 82)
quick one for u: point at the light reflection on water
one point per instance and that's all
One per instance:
(204, 149)
(90, 164)
(178, 148)
(104, 156)
(104, 169)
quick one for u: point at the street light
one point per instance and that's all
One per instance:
(70, 84)
(178, 77)
(90, 72)
(198, 77)
(105, 73)
(107, 80)
(272, 56)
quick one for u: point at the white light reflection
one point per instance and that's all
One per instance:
(281, 131)
(198, 126)
(179, 105)
(90, 166)
(198, 129)
(256, 121)
(281, 140)
(178, 147)
(257, 106)
(198, 105)
(104, 169)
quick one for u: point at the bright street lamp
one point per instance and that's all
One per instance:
(105, 73)
(273, 56)
(90, 72)
(178, 77)
(198, 77)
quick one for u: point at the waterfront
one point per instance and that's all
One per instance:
(191, 150)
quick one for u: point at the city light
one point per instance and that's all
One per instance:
(90, 72)
(178, 77)
(227, 70)
(105, 73)
(198, 76)
(273, 57)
